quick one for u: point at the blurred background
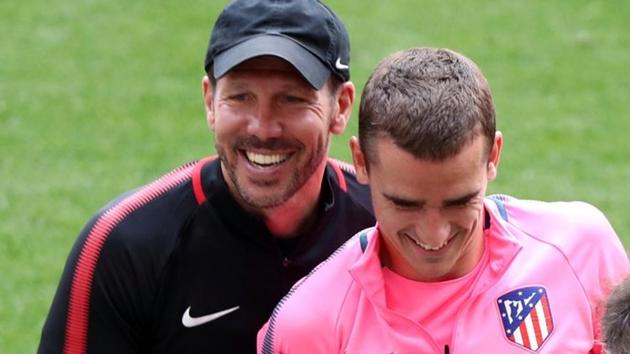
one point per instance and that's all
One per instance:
(98, 97)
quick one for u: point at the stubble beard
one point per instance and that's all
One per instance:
(271, 200)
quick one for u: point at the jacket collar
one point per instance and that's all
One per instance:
(251, 226)
(502, 245)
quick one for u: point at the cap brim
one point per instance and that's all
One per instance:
(311, 68)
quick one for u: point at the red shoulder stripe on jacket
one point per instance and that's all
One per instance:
(338, 166)
(200, 196)
(79, 304)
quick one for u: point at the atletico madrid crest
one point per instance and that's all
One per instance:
(526, 316)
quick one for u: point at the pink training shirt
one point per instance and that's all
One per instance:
(440, 301)
(548, 268)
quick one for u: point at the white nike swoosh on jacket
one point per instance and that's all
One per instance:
(189, 321)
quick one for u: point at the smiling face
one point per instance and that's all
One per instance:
(430, 213)
(272, 130)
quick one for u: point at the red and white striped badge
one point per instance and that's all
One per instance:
(526, 316)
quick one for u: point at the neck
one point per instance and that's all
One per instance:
(294, 215)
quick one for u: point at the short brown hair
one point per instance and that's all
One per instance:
(431, 102)
(616, 320)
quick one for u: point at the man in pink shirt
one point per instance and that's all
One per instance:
(446, 269)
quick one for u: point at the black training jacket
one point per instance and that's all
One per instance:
(177, 266)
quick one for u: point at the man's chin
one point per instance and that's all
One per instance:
(263, 200)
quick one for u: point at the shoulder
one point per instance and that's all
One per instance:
(142, 223)
(309, 312)
(153, 208)
(580, 232)
(331, 279)
(346, 179)
(114, 262)
(345, 173)
(579, 221)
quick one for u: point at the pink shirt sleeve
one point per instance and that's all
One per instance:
(296, 329)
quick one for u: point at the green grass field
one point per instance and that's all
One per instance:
(98, 97)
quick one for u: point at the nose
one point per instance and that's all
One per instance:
(264, 124)
(432, 226)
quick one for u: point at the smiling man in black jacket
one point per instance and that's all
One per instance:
(195, 261)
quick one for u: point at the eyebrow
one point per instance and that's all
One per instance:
(410, 203)
(461, 200)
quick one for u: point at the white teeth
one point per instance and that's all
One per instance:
(429, 248)
(265, 160)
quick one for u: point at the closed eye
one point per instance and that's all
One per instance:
(404, 203)
(463, 201)
(457, 205)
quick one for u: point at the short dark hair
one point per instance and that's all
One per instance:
(616, 320)
(431, 102)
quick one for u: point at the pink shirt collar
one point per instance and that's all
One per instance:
(502, 248)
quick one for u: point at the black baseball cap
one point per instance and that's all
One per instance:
(306, 33)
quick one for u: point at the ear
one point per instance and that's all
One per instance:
(495, 156)
(358, 158)
(344, 98)
(207, 91)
